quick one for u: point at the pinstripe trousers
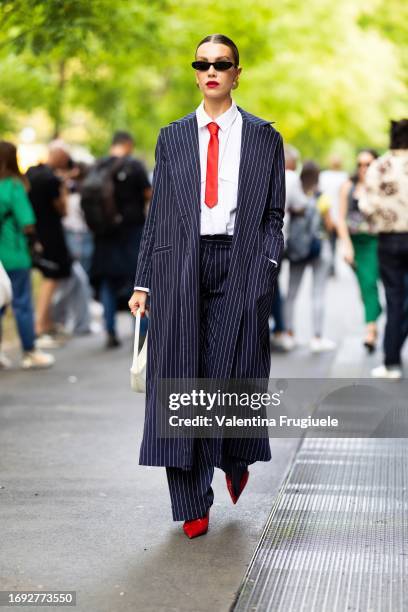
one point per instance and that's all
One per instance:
(191, 493)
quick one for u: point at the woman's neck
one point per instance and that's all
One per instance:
(215, 108)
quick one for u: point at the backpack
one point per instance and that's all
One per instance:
(98, 198)
(304, 243)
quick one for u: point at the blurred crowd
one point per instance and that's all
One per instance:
(80, 226)
(365, 215)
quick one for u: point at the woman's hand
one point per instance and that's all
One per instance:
(138, 300)
(348, 252)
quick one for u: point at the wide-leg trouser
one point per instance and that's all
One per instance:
(190, 490)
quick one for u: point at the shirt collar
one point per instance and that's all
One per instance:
(223, 121)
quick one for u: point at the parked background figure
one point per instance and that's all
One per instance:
(17, 237)
(308, 245)
(117, 248)
(330, 183)
(48, 197)
(385, 201)
(360, 243)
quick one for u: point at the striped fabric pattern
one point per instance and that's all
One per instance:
(169, 264)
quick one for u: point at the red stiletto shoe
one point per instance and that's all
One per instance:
(197, 527)
(232, 489)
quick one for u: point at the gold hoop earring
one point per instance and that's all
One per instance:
(235, 84)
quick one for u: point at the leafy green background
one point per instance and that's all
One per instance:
(330, 74)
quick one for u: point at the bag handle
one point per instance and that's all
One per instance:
(137, 334)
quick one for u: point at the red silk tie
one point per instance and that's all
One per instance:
(211, 183)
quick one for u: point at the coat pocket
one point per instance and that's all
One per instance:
(271, 262)
(162, 248)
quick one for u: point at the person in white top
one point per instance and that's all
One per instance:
(210, 255)
(330, 183)
(295, 198)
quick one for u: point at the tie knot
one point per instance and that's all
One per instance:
(213, 128)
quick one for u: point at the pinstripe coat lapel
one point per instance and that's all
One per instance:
(184, 159)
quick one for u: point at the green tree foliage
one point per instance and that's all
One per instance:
(330, 75)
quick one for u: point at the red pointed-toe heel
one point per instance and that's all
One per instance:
(232, 489)
(197, 527)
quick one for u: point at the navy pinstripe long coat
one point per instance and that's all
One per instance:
(168, 264)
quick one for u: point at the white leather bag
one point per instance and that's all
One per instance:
(138, 369)
(6, 292)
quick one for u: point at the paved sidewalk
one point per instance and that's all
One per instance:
(79, 513)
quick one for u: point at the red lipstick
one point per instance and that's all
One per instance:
(212, 84)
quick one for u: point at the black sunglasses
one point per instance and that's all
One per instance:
(219, 66)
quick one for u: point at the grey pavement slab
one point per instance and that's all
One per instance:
(79, 513)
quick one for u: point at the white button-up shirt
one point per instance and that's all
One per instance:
(220, 218)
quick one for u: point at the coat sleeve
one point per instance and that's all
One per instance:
(275, 210)
(144, 261)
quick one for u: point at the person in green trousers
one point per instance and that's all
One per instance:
(360, 244)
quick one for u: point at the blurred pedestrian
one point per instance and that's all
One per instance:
(119, 181)
(294, 195)
(210, 254)
(308, 246)
(48, 197)
(78, 235)
(17, 236)
(6, 294)
(360, 243)
(386, 203)
(330, 182)
(70, 309)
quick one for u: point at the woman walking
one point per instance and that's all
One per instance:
(209, 257)
(17, 233)
(308, 244)
(360, 245)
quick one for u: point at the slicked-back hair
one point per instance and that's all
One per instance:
(222, 40)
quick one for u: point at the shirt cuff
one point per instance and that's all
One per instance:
(141, 289)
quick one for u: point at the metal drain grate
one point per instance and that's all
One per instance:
(336, 539)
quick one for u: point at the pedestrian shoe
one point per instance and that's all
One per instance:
(47, 342)
(36, 359)
(95, 327)
(197, 527)
(112, 341)
(236, 484)
(283, 342)
(318, 345)
(383, 372)
(5, 363)
(60, 332)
